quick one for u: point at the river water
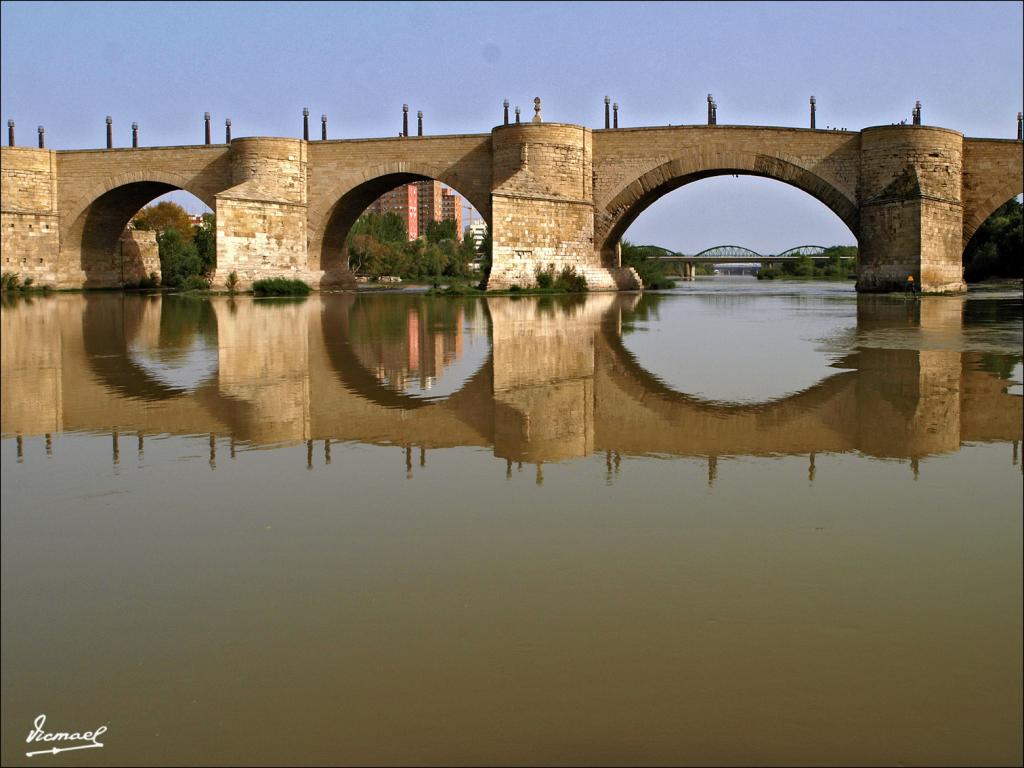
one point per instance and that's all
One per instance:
(734, 523)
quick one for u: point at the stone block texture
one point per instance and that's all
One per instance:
(554, 195)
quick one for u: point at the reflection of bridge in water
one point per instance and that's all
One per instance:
(557, 384)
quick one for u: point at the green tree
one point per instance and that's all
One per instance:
(204, 238)
(386, 228)
(438, 231)
(641, 258)
(179, 260)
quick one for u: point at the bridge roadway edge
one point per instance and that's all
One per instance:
(920, 192)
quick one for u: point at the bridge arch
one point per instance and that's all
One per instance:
(330, 220)
(95, 220)
(632, 198)
(981, 212)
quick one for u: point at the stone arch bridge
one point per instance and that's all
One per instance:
(553, 195)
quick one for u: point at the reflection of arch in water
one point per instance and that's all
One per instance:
(627, 362)
(109, 324)
(354, 376)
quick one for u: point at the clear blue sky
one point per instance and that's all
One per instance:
(67, 65)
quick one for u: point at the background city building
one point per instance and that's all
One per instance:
(477, 230)
(420, 203)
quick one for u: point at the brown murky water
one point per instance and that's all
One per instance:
(734, 524)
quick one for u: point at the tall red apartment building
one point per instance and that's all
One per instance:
(420, 203)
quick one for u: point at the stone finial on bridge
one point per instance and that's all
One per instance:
(607, 115)
(711, 101)
(517, 118)
(42, 137)
(615, 115)
(10, 133)
(1020, 126)
(110, 132)
(814, 106)
(536, 110)
(917, 113)
(206, 122)
(504, 105)
(305, 123)
(405, 120)
(419, 122)
(135, 135)
(227, 130)
(323, 127)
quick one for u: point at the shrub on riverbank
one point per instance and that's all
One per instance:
(841, 265)
(11, 282)
(651, 272)
(566, 281)
(280, 286)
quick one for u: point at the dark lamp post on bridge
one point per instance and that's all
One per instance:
(206, 121)
(615, 115)
(405, 120)
(504, 105)
(607, 116)
(227, 131)
(42, 137)
(419, 122)
(813, 109)
(517, 118)
(110, 132)
(917, 113)
(323, 127)
(10, 133)
(305, 123)
(135, 135)
(710, 102)
(1020, 126)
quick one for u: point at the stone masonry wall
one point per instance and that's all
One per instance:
(29, 237)
(140, 256)
(911, 220)
(993, 172)
(542, 207)
(261, 220)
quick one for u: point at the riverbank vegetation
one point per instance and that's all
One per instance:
(188, 253)
(997, 248)
(378, 245)
(280, 286)
(549, 282)
(642, 259)
(841, 264)
(11, 283)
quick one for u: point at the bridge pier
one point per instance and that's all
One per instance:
(911, 210)
(261, 219)
(542, 208)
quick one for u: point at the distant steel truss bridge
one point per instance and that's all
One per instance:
(737, 254)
